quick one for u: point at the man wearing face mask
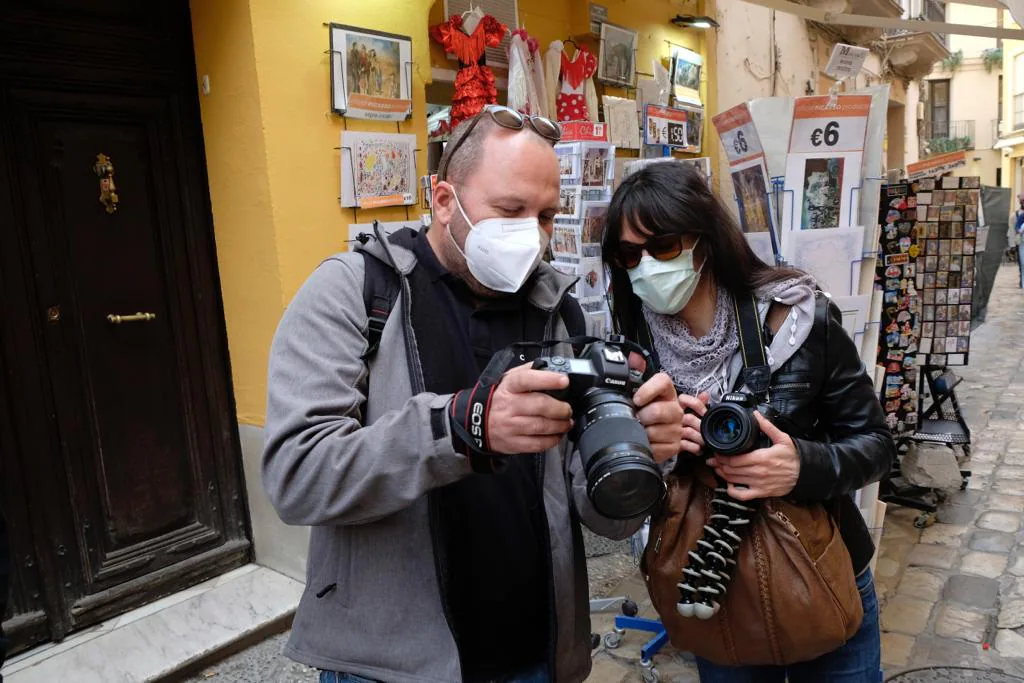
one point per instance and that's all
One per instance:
(435, 557)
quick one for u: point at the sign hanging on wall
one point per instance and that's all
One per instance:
(370, 74)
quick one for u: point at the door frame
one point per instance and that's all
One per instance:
(40, 569)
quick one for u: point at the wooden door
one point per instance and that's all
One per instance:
(120, 455)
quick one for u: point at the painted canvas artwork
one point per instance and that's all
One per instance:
(822, 193)
(378, 169)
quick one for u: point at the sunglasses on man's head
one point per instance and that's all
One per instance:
(662, 248)
(506, 118)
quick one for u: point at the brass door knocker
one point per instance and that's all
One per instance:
(108, 192)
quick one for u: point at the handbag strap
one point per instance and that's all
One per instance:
(757, 374)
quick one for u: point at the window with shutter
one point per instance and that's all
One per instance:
(505, 11)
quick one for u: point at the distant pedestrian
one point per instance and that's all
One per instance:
(1018, 229)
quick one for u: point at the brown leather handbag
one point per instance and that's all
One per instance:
(792, 595)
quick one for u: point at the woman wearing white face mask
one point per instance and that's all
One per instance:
(679, 262)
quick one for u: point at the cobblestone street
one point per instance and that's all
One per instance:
(952, 595)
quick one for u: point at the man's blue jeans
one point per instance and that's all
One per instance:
(537, 675)
(858, 661)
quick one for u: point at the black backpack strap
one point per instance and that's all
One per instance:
(380, 292)
(572, 316)
(757, 374)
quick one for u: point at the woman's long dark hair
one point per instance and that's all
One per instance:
(669, 198)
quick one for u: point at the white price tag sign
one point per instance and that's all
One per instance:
(738, 135)
(846, 61)
(821, 127)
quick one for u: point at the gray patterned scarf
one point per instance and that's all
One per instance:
(697, 365)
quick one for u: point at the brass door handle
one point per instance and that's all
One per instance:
(134, 318)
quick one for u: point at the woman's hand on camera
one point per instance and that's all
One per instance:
(521, 418)
(765, 473)
(694, 408)
(658, 410)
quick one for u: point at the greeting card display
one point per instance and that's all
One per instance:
(945, 274)
(377, 169)
(898, 334)
(742, 146)
(826, 151)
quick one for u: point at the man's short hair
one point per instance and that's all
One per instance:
(467, 154)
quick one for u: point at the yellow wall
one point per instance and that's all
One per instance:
(240, 191)
(273, 166)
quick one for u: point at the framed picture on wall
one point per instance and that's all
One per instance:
(617, 58)
(370, 74)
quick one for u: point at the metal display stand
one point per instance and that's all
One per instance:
(941, 422)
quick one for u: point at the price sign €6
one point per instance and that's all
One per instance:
(820, 128)
(741, 142)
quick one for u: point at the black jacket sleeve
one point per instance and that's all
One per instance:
(858, 448)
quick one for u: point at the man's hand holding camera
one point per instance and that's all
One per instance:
(522, 419)
(765, 473)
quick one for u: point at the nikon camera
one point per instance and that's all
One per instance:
(623, 480)
(730, 428)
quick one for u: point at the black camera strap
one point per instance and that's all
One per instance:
(757, 374)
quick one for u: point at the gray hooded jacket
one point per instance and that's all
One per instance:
(353, 452)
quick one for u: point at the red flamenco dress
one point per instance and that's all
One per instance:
(572, 99)
(474, 84)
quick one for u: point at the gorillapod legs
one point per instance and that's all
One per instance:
(706, 576)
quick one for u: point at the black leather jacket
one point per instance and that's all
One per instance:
(828, 404)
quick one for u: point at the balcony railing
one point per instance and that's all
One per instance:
(940, 137)
(932, 10)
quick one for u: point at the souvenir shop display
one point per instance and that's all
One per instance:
(618, 56)
(755, 202)
(587, 170)
(370, 73)
(474, 84)
(576, 72)
(826, 152)
(377, 169)
(686, 68)
(898, 331)
(945, 274)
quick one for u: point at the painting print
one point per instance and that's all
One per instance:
(569, 201)
(594, 216)
(617, 63)
(368, 74)
(822, 193)
(568, 161)
(378, 169)
(686, 68)
(597, 163)
(752, 196)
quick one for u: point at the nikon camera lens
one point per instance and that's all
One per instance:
(730, 429)
(623, 480)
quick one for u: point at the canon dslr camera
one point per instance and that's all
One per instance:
(730, 428)
(623, 480)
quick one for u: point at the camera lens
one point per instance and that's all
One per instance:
(623, 481)
(729, 429)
